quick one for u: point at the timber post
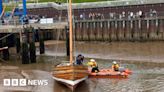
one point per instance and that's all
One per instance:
(32, 47)
(25, 54)
(5, 51)
(41, 42)
(18, 45)
(67, 40)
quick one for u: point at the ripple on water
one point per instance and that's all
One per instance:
(145, 78)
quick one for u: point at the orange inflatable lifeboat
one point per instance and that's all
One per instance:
(109, 73)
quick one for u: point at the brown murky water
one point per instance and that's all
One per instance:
(146, 60)
(136, 51)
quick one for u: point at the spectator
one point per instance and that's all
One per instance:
(140, 14)
(81, 16)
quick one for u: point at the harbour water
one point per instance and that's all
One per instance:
(146, 60)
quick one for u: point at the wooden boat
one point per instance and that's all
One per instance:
(109, 73)
(68, 73)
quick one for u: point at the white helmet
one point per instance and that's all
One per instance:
(114, 62)
(92, 60)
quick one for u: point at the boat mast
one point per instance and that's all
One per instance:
(70, 32)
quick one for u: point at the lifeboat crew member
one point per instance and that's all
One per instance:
(79, 59)
(115, 66)
(94, 65)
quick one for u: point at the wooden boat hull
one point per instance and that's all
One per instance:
(109, 73)
(70, 72)
(69, 83)
(70, 75)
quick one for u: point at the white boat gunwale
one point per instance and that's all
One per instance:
(70, 82)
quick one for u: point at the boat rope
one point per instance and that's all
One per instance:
(6, 36)
(56, 49)
(58, 36)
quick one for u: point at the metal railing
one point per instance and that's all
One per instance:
(17, 22)
(92, 4)
(107, 16)
(103, 16)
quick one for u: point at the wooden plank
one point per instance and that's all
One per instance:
(71, 71)
(70, 67)
(71, 75)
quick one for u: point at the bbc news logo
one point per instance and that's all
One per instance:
(24, 82)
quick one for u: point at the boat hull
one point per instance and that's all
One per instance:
(70, 75)
(108, 73)
(69, 83)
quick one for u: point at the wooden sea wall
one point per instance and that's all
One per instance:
(147, 29)
(119, 30)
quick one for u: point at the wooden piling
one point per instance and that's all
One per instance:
(25, 49)
(32, 48)
(25, 55)
(124, 29)
(148, 29)
(41, 42)
(105, 33)
(161, 29)
(5, 52)
(144, 30)
(67, 41)
(88, 31)
(109, 32)
(76, 29)
(138, 29)
(113, 33)
(102, 24)
(92, 26)
(82, 31)
(18, 44)
(115, 30)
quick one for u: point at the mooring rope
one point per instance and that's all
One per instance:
(56, 49)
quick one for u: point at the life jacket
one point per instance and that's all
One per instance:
(115, 67)
(94, 64)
